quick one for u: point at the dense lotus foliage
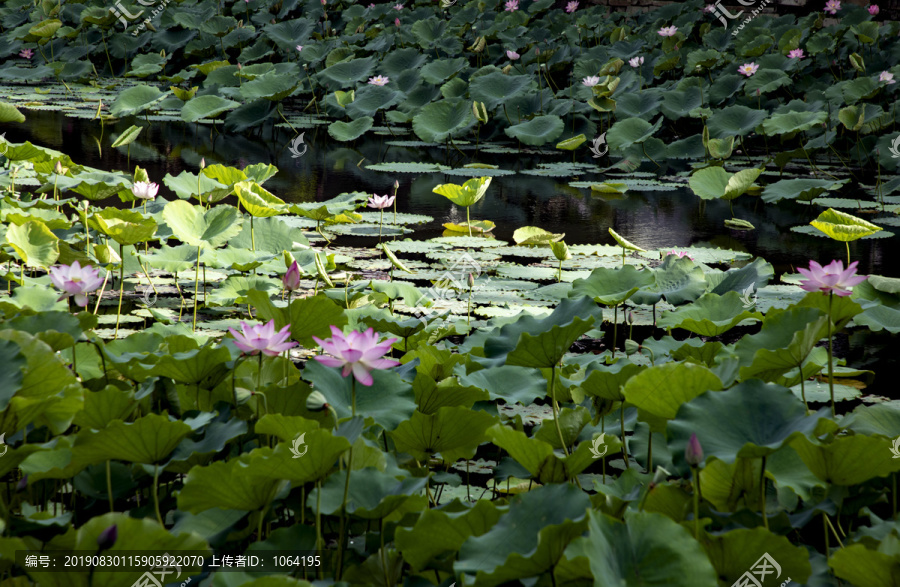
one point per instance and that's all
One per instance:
(210, 367)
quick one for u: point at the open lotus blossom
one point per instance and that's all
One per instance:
(512, 5)
(572, 6)
(886, 77)
(667, 31)
(381, 202)
(512, 55)
(299, 48)
(693, 452)
(26, 53)
(379, 80)
(358, 352)
(262, 338)
(796, 54)
(832, 6)
(873, 9)
(748, 69)
(680, 254)
(590, 81)
(636, 61)
(145, 190)
(291, 279)
(75, 280)
(398, 7)
(832, 278)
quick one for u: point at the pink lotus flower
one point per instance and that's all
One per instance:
(379, 80)
(26, 53)
(262, 337)
(693, 452)
(381, 202)
(796, 54)
(680, 254)
(873, 9)
(709, 8)
(397, 22)
(398, 7)
(832, 278)
(748, 69)
(832, 6)
(572, 6)
(667, 31)
(75, 280)
(636, 61)
(512, 5)
(299, 48)
(291, 279)
(144, 190)
(886, 77)
(590, 81)
(512, 55)
(357, 352)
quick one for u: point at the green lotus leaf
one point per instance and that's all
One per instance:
(126, 227)
(243, 483)
(273, 87)
(11, 377)
(135, 100)
(751, 420)
(454, 432)
(144, 65)
(572, 143)
(439, 531)
(843, 227)
(396, 262)
(638, 104)
(537, 131)
(234, 258)
(848, 460)
(172, 259)
(257, 200)
(9, 113)
(432, 396)
(93, 185)
(607, 381)
(439, 70)
(192, 366)
(648, 548)
(321, 211)
(678, 103)
(560, 250)
(466, 194)
(711, 315)
(477, 226)
(442, 120)
(105, 406)
(678, 279)
(631, 131)
(208, 106)
(611, 287)
(608, 187)
(509, 383)
(537, 456)
(662, 389)
(766, 80)
(126, 138)
(784, 343)
(793, 122)
(528, 540)
(720, 148)
(202, 228)
(287, 33)
(350, 131)
(321, 458)
(882, 419)
(372, 494)
(625, 244)
(149, 440)
(734, 121)
(532, 235)
(59, 330)
(748, 278)
(34, 243)
(347, 73)
(370, 99)
(185, 186)
(881, 309)
(799, 189)
(714, 182)
(736, 551)
(859, 565)
(495, 88)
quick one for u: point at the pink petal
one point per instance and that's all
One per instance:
(362, 374)
(329, 361)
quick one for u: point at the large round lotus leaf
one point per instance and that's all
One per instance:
(191, 366)
(755, 275)
(715, 182)
(207, 106)
(34, 243)
(799, 189)
(510, 383)
(287, 33)
(370, 99)
(408, 167)
(320, 459)
(439, 70)
(711, 315)
(848, 460)
(734, 121)
(662, 389)
(537, 131)
(678, 279)
(135, 100)
(751, 420)
(257, 200)
(271, 87)
(372, 494)
(630, 131)
(399, 60)
(532, 235)
(243, 483)
(882, 419)
(842, 226)
(185, 185)
(639, 104)
(881, 309)
(454, 432)
(792, 122)
(607, 381)
(611, 287)
(149, 440)
(496, 88)
(678, 103)
(350, 131)
(859, 565)
(126, 227)
(347, 73)
(9, 113)
(647, 549)
(737, 552)
(444, 119)
(202, 228)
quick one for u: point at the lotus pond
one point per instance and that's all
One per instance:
(470, 293)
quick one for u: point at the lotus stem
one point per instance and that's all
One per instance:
(762, 494)
(847, 244)
(196, 287)
(696, 474)
(121, 286)
(156, 495)
(622, 426)
(803, 387)
(342, 536)
(100, 295)
(468, 221)
(556, 409)
(468, 307)
(252, 235)
(615, 328)
(109, 487)
(830, 355)
(380, 224)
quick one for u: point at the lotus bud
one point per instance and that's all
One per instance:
(471, 280)
(632, 347)
(480, 111)
(162, 53)
(316, 402)
(507, 69)
(630, 317)
(58, 168)
(202, 162)
(397, 22)
(396, 184)
(660, 475)
(693, 453)
(240, 67)
(291, 280)
(108, 537)
(22, 484)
